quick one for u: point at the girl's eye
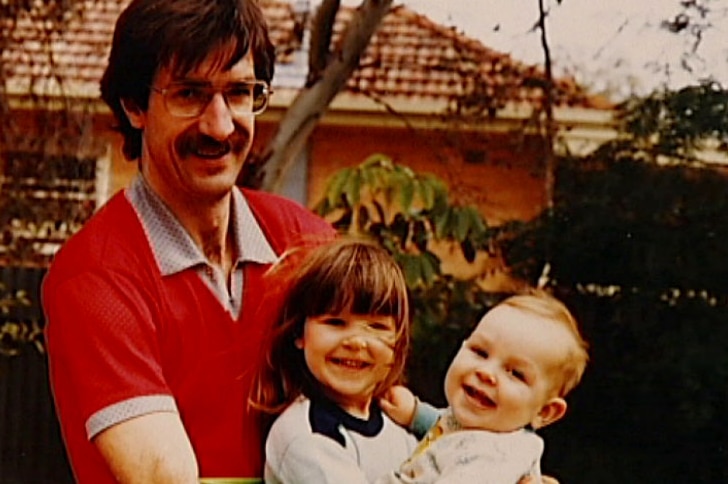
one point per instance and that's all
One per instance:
(334, 322)
(380, 326)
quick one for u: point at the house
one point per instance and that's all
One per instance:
(423, 94)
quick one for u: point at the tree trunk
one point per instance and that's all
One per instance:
(312, 101)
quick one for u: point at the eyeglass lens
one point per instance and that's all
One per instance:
(187, 99)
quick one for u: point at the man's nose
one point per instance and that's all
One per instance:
(216, 120)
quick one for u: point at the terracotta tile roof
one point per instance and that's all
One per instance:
(410, 56)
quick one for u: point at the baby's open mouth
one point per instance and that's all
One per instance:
(480, 397)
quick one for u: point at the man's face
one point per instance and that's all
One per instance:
(195, 159)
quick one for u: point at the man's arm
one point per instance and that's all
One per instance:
(149, 449)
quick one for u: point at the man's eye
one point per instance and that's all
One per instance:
(188, 93)
(239, 92)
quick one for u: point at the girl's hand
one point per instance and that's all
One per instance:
(399, 404)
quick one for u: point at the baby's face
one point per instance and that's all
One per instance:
(502, 377)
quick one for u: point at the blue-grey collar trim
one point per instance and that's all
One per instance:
(174, 249)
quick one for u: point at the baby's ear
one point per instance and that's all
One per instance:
(552, 411)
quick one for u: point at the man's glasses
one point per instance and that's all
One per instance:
(190, 99)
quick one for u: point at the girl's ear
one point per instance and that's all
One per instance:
(298, 342)
(133, 113)
(552, 411)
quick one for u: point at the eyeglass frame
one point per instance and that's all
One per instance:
(210, 91)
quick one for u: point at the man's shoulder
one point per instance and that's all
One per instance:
(108, 234)
(284, 221)
(271, 205)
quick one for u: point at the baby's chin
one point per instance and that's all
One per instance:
(471, 420)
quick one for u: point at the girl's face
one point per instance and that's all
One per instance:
(349, 355)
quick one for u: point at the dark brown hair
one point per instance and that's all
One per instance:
(180, 34)
(348, 273)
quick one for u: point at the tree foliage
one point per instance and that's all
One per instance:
(406, 212)
(638, 234)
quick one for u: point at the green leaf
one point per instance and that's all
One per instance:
(426, 192)
(462, 224)
(352, 188)
(406, 195)
(411, 269)
(442, 223)
(335, 187)
(430, 267)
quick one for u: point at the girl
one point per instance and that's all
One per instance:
(340, 342)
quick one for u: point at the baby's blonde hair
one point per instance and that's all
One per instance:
(539, 302)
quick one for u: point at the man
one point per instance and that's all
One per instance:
(152, 330)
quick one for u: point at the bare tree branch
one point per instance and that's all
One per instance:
(312, 101)
(321, 32)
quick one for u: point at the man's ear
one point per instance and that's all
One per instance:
(552, 411)
(133, 113)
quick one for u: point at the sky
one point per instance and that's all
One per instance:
(614, 46)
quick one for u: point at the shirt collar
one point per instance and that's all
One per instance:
(326, 418)
(173, 247)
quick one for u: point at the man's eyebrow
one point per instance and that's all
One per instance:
(202, 82)
(185, 81)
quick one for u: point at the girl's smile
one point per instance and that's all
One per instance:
(349, 355)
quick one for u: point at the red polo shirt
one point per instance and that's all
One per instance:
(132, 330)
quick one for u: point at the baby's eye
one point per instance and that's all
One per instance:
(518, 374)
(480, 352)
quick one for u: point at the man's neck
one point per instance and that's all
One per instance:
(209, 227)
(208, 224)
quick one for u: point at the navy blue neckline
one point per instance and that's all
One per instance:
(325, 418)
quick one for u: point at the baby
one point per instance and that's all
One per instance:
(508, 379)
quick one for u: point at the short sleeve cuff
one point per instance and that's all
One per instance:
(425, 417)
(127, 409)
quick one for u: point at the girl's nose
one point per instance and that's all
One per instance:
(356, 343)
(216, 120)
